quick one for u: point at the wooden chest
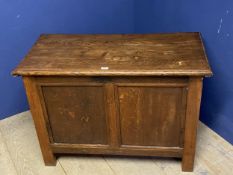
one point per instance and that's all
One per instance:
(116, 94)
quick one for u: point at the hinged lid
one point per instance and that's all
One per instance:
(178, 54)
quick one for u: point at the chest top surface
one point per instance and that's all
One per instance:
(177, 54)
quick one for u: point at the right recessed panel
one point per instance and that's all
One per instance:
(152, 116)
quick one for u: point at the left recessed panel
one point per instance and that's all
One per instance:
(76, 113)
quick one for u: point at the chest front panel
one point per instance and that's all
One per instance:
(148, 111)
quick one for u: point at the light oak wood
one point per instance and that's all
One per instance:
(21, 140)
(6, 164)
(134, 166)
(85, 166)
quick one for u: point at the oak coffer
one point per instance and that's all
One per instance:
(116, 94)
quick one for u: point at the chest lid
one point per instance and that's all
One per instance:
(177, 54)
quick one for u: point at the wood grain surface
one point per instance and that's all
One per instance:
(89, 115)
(6, 164)
(192, 118)
(21, 140)
(157, 118)
(39, 119)
(76, 114)
(112, 55)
